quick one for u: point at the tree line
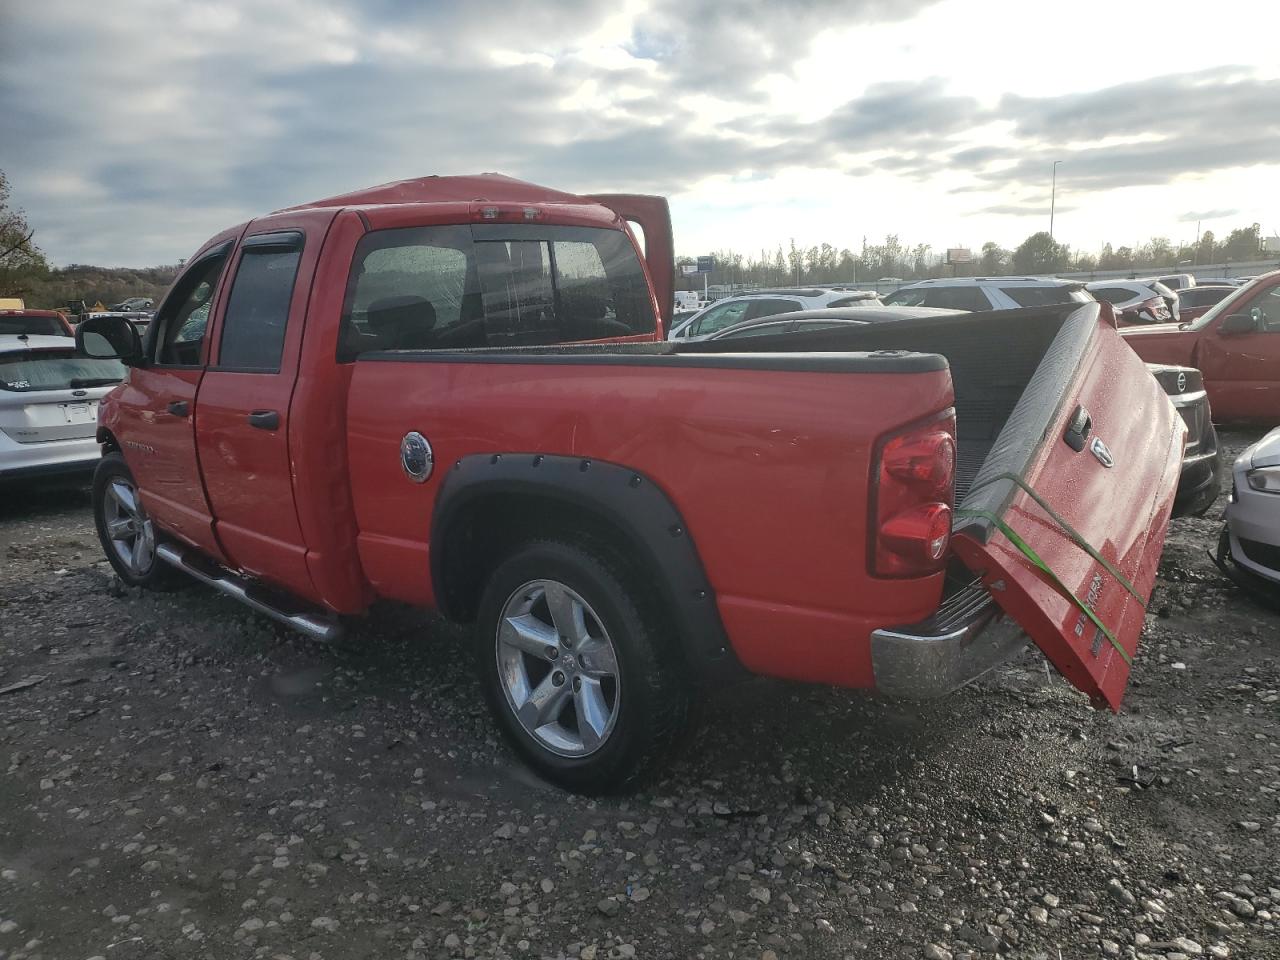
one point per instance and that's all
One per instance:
(1039, 253)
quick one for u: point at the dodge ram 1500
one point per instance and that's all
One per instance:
(455, 393)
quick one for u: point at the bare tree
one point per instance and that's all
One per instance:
(21, 261)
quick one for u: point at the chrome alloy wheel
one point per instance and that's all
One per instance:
(558, 668)
(128, 527)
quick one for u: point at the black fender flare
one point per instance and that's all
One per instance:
(622, 497)
(107, 440)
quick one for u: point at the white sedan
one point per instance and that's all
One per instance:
(49, 406)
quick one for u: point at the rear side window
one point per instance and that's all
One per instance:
(906, 298)
(1113, 294)
(770, 308)
(458, 287)
(956, 298)
(1041, 296)
(253, 327)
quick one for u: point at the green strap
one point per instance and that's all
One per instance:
(1070, 531)
(1026, 550)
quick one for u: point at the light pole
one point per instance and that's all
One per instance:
(1053, 196)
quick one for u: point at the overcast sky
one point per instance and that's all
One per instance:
(131, 130)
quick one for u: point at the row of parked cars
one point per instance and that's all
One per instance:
(1213, 346)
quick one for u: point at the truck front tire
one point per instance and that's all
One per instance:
(579, 672)
(127, 534)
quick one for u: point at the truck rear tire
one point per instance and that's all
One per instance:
(580, 674)
(128, 535)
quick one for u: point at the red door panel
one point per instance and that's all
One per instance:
(1121, 509)
(153, 416)
(242, 428)
(1242, 370)
(158, 440)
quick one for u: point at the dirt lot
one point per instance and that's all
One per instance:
(189, 780)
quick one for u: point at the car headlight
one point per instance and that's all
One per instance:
(1266, 479)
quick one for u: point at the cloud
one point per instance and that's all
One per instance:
(218, 113)
(1194, 216)
(728, 46)
(1172, 106)
(1022, 209)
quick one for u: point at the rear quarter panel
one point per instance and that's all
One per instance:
(769, 469)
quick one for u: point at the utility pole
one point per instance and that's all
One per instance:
(1053, 196)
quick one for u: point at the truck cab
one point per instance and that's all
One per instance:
(1235, 345)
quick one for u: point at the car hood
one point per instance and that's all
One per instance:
(1266, 452)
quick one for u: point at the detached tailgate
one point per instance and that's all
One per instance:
(1094, 440)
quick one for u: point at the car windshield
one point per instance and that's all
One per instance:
(27, 372)
(35, 326)
(1221, 308)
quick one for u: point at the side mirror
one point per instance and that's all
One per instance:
(110, 338)
(1238, 323)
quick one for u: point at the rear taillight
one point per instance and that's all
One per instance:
(911, 506)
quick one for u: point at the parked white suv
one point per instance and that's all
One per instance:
(765, 303)
(49, 406)
(1139, 301)
(988, 293)
(1174, 281)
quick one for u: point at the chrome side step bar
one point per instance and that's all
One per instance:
(317, 626)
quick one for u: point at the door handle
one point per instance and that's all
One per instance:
(179, 408)
(265, 419)
(1078, 429)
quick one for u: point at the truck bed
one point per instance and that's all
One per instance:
(722, 434)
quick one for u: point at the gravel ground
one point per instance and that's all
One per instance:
(188, 780)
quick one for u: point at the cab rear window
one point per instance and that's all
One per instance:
(56, 370)
(32, 326)
(461, 287)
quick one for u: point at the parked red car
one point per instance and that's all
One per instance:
(388, 395)
(1235, 345)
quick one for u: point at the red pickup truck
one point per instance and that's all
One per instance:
(1235, 345)
(454, 392)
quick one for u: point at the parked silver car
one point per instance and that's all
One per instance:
(49, 406)
(1250, 541)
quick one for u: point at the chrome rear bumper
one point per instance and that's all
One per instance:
(967, 636)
